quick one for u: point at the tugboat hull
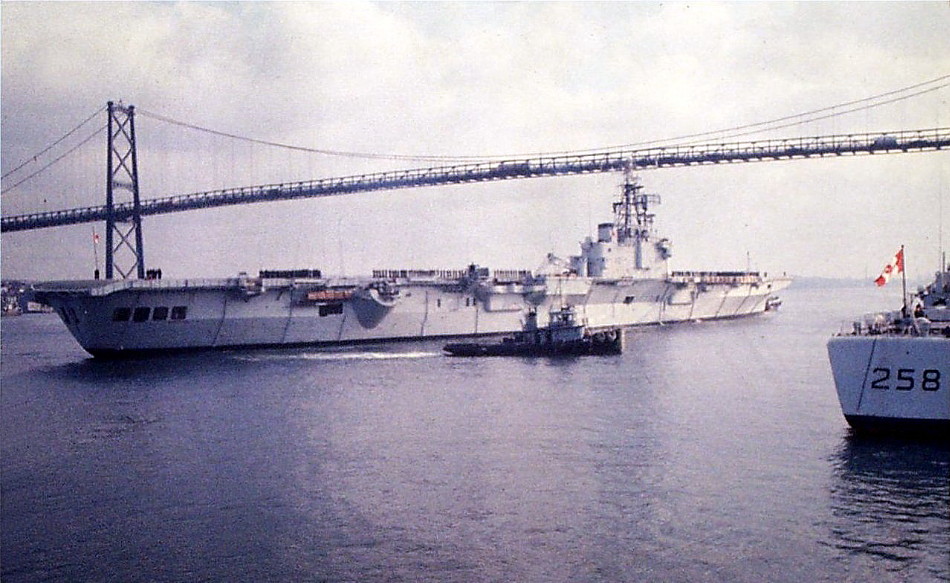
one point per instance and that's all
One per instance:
(610, 343)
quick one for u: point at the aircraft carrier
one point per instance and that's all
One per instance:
(619, 279)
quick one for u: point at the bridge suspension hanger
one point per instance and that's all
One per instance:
(798, 148)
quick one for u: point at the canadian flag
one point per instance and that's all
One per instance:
(895, 266)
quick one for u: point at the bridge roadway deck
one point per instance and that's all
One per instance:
(606, 161)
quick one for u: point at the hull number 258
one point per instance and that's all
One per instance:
(906, 379)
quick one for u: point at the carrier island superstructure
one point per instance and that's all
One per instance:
(620, 279)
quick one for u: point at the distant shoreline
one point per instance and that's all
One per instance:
(802, 282)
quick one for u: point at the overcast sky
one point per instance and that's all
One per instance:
(476, 79)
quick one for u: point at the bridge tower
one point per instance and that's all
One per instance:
(124, 249)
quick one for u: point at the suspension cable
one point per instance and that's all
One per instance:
(51, 146)
(70, 151)
(768, 125)
(169, 120)
(735, 134)
(805, 117)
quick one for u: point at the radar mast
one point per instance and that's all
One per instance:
(631, 214)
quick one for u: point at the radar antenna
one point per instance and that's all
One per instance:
(631, 214)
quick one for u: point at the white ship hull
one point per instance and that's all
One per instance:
(620, 279)
(892, 369)
(133, 316)
(893, 384)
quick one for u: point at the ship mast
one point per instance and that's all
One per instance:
(631, 214)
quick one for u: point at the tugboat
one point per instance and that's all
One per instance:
(892, 370)
(563, 336)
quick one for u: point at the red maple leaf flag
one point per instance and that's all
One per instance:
(895, 266)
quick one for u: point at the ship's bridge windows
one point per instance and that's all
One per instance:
(121, 314)
(141, 314)
(628, 299)
(160, 313)
(179, 312)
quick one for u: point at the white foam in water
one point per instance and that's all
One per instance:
(338, 356)
(366, 355)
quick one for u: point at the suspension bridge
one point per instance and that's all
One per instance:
(123, 217)
(893, 142)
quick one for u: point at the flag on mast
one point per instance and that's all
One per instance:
(895, 266)
(95, 250)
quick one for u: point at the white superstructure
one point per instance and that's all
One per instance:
(620, 279)
(892, 370)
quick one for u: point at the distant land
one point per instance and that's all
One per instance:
(804, 282)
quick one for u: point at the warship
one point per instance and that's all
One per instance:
(892, 369)
(620, 279)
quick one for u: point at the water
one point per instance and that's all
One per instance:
(706, 452)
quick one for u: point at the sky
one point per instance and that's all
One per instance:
(475, 79)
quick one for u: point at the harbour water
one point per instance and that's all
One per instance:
(711, 451)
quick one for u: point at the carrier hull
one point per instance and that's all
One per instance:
(115, 318)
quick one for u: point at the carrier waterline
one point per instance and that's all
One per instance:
(620, 279)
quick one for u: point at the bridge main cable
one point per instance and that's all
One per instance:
(532, 167)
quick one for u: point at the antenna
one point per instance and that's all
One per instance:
(903, 268)
(943, 254)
